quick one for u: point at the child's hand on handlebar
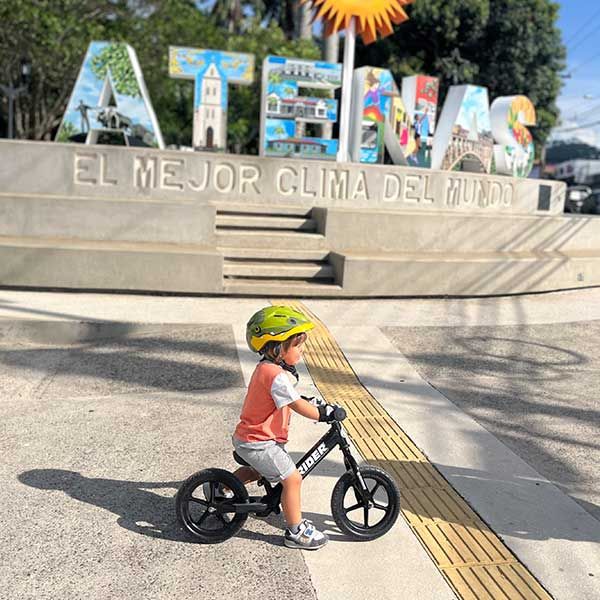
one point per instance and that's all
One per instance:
(331, 412)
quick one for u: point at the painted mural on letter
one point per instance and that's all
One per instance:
(110, 96)
(420, 94)
(515, 152)
(212, 71)
(401, 122)
(382, 105)
(463, 139)
(286, 115)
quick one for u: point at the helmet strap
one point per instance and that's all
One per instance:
(289, 368)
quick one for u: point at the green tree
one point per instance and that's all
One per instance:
(523, 53)
(67, 130)
(558, 152)
(54, 36)
(228, 14)
(285, 13)
(509, 46)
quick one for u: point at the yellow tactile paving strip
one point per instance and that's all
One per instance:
(471, 557)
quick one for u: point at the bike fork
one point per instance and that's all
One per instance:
(352, 465)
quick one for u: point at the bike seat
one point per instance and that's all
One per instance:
(239, 460)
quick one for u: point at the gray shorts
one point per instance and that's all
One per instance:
(269, 458)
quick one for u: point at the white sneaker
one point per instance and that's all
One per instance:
(307, 538)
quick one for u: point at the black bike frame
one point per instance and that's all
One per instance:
(270, 502)
(323, 447)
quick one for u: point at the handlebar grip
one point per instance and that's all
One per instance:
(339, 414)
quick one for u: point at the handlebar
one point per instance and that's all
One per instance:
(339, 414)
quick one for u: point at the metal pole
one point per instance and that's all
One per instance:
(11, 93)
(11, 103)
(348, 70)
(331, 55)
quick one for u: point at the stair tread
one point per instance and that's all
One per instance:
(282, 288)
(262, 209)
(284, 283)
(264, 222)
(295, 264)
(269, 240)
(279, 270)
(273, 254)
(82, 244)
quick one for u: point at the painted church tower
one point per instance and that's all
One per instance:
(209, 116)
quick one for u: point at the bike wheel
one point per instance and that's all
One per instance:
(356, 518)
(196, 502)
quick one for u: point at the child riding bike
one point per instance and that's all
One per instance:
(277, 333)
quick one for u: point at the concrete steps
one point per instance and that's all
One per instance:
(272, 250)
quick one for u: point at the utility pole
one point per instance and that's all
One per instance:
(331, 52)
(12, 93)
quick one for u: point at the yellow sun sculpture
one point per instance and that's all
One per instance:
(372, 17)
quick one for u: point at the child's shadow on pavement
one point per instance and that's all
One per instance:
(138, 509)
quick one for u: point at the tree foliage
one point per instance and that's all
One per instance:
(53, 35)
(558, 152)
(510, 46)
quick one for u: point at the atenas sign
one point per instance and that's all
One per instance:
(110, 95)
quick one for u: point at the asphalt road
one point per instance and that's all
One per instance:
(95, 440)
(532, 386)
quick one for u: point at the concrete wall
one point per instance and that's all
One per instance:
(465, 275)
(107, 172)
(73, 264)
(388, 231)
(101, 217)
(384, 253)
(49, 216)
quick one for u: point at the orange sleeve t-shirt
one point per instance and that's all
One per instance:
(266, 412)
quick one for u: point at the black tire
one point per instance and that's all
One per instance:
(195, 511)
(379, 518)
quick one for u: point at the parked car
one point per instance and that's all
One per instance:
(578, 199)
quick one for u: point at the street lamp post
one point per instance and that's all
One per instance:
(12, 93)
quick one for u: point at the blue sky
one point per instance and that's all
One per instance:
(580, 97)
(475, 102)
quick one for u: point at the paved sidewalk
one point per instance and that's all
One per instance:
(97, 437)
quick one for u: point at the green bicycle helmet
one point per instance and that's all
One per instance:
(275, 324)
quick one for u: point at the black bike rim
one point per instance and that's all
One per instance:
(200, 513)
(359, 514)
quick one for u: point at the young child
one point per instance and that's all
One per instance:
(277, 333)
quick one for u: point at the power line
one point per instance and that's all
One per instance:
(569, 129)
(583, 39)
(583, 27)
(587, 113)
(583, 64)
